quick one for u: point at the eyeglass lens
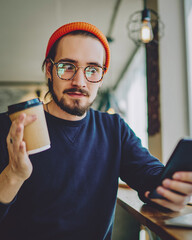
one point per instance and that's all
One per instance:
(67, 71)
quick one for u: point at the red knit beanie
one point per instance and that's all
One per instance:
(70, 27)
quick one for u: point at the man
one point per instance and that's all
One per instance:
(69, 191)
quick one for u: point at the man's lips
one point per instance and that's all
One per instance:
(76, 92)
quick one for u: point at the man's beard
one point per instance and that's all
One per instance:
(75, 108)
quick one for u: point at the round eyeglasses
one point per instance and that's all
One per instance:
(66, 71)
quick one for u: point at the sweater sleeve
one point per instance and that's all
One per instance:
(4, 160)
(139, 169)
(4, 208)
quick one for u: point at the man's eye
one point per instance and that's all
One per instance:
(69, 67)
(92, 70)
(60, 65)
(66, 67)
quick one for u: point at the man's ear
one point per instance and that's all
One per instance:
(48, 69)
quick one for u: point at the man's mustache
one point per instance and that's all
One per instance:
(79, 90)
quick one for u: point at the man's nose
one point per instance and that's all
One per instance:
(79, 78)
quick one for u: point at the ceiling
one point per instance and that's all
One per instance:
(26, 26)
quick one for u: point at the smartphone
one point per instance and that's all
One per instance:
(180, 160)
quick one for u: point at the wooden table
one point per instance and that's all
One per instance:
(153, 218)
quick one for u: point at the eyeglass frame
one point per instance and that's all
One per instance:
(76, 69)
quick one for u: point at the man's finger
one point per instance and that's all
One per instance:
(17, 128)
(183, 176)
(29, 119)
(171, 196)
(181, 187)
(167, 204)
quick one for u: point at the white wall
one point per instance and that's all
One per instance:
(188, 34)
(26, 26)
(173, 77)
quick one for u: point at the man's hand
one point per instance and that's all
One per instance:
(20, 166)
(177, 191)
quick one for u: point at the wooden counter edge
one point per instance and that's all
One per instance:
(147, 215)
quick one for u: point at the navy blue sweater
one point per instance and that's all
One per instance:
(72, 191)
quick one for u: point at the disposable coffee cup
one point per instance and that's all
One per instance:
(36, 134)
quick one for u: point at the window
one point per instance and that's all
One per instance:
(132, 96)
